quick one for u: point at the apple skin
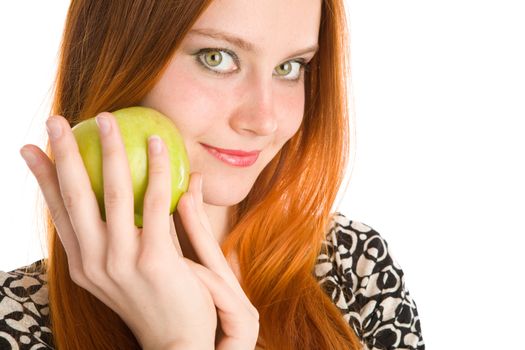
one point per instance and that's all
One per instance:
(136, 124)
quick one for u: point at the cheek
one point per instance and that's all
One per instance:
(192, 104)
(291, 111)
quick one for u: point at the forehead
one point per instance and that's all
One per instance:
(267, 24)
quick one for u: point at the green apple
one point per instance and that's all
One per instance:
(136, 124)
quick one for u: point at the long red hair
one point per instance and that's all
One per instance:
(112, 53)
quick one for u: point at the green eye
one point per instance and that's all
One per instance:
(284, 69)
(223, 61)
(218, 61)
(213, 58)
(290, 70)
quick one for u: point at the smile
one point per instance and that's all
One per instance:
(233, 157)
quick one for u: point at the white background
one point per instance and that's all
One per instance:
(438, 163)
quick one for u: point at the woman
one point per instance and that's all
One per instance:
(253, 256)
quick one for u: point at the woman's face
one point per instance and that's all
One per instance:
(236, 83)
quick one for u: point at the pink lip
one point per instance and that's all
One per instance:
(233, 157)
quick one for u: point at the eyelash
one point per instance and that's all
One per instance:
(304, 66)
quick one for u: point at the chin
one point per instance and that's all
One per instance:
(225, 195)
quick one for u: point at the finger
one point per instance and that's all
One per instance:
(239, 324)
(223, 295)
(157, 200)
(45, 173)
(118, 192)
(75, 188)
(201, 237)
(195, 188)
(198, 230)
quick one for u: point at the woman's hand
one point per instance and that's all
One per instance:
(239, 319)
(141, 274)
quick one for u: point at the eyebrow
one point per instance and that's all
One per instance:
(243, 44)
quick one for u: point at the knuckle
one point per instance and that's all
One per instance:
(157, 167)
(116, 196)
(61, 153)
(43, 173)
(111, 151)
(117, 271)
(45, 181)
(156, 203)
(184, 201)
(77, 276)
(93, 274)
(56, 212)
(71, 198)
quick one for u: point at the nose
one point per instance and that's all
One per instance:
(256, 111)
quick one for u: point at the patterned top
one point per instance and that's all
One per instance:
(355, 269)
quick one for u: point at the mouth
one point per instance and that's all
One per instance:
(235, 158)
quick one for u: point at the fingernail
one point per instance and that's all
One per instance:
(29, 157)
(200, 184)
(154, 144)
(53, 128)
(103, 124)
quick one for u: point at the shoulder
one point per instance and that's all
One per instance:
(24, 311)
(359, 273)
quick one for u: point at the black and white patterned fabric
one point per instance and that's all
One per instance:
(355, 269)
(368, 286)
(24, 311)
